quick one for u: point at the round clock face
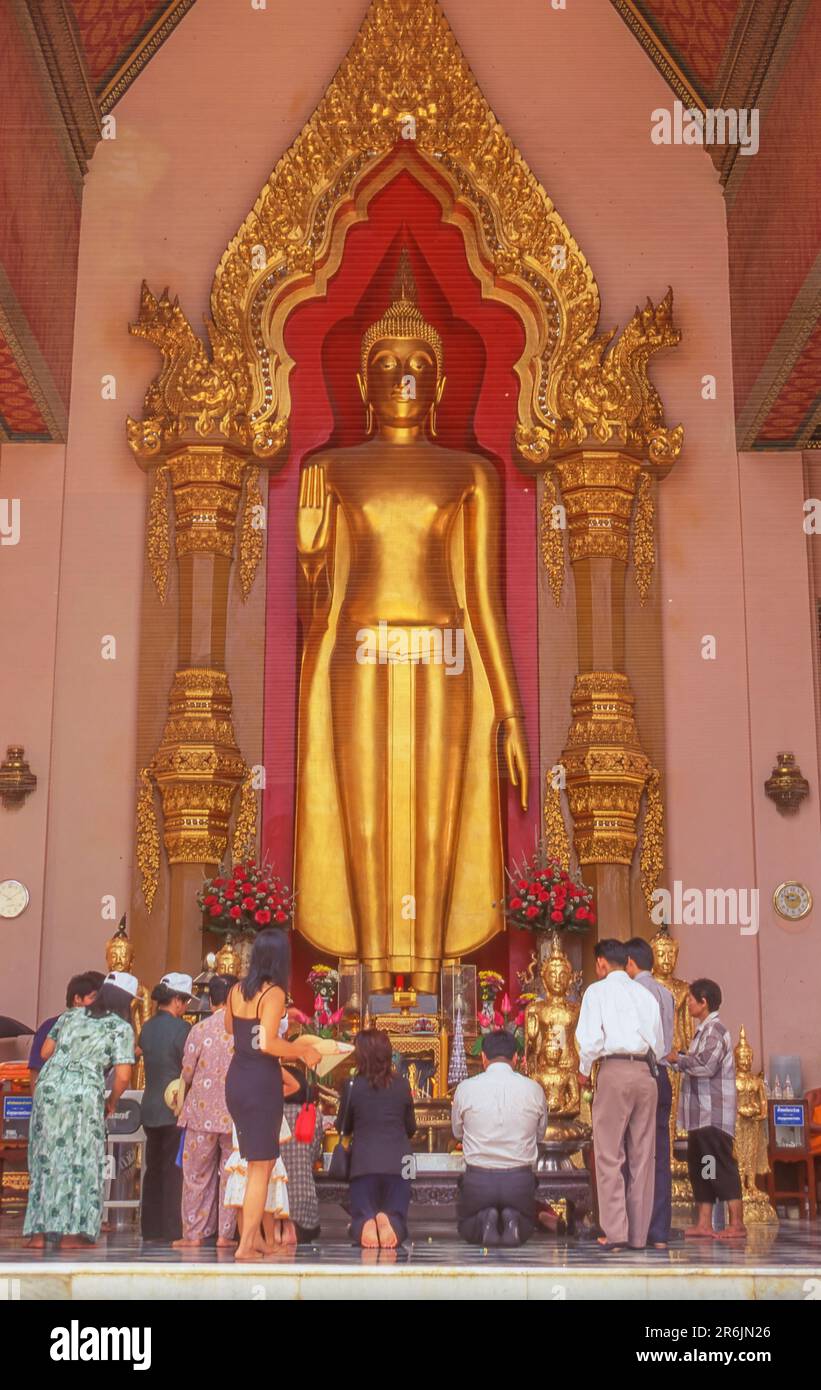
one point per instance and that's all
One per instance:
(14, 897)
(792, 901)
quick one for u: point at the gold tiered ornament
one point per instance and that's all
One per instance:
(119, 955)
(751, 1136)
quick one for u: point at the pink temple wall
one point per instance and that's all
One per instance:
(196, 137)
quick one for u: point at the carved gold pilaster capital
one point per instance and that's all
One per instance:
(206, 482)
(598, 488)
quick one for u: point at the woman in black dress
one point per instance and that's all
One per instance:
(377, 1109)
(255, 1015)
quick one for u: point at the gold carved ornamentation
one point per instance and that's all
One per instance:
(555, 830)
(148, 839)
(245, 830)
(405, 89)
(158, 544)
(607, 771)
(644, 542)
(197, 770)
(251, 533)
(191, 392)
(652, 842)
(552, 536)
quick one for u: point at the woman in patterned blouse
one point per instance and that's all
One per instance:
(207, 1125)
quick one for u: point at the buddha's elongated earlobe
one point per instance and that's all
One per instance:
(363, 391)
(440, 387)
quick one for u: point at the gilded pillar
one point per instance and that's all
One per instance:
(603, 455)
(605, 767)
(205, 490)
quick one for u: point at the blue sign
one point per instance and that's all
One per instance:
(17, 1107)
(788, 1114)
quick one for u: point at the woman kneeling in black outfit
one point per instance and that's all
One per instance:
(377, 1109)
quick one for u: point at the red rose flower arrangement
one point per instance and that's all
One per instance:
(248, 897)
(544, 896)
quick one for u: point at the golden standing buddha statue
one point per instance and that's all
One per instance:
(665, 959)
(406, 677)
(751, 1134)
(551, 1054)
(119, 955)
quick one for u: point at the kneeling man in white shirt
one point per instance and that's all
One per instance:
(620, 1028)
(500, 1117)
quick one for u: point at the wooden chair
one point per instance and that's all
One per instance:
(802, 1160)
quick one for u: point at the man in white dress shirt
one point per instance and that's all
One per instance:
(620, 1028)
(500, 1117)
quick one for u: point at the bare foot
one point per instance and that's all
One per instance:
(699, 1232)
(387, 1235)
(731, 1233)
(36, 1243)
(288, 1233)
(250, 1252)
(183, 1244)
(369, 1240)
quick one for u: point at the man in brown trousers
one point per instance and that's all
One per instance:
(620, 1028)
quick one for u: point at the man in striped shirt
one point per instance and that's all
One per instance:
(707, 1107)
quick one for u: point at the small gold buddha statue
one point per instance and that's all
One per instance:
(551, 1054)
(119, 955)
(751, 1134)
(665, 958)
(407, 676)
(228, 958)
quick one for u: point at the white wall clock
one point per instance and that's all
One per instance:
(792, 901)
(14, 897)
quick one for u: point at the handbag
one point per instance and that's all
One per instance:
(339, 1167)
(305, 1124)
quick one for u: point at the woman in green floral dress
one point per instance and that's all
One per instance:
(66, 1155)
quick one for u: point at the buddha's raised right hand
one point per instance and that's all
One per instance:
(313, 517)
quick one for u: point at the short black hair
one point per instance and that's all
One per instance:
(162, 994)
(613, 951)
(499, 1044)
(219, 987)
(111, 1000)
(707, 991)
(640, 951)
(80, 985)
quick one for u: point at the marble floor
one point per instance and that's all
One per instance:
(773, 1264)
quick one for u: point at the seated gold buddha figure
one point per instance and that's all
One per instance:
(550, 1023)
(406, 676)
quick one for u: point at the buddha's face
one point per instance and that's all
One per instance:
(744, 1058)
(556, 976)
(119, 955)
(666, 955)
(402, 382)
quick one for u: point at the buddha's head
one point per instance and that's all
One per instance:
(556, 971)
(400, 378)
(743, 1054)
(119, 952)
(665, 953)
